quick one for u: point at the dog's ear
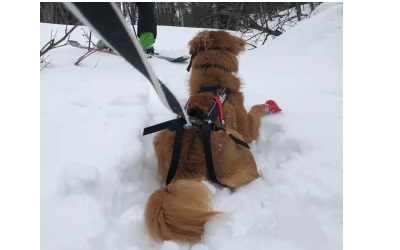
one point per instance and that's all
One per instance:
(238, 45)
(198, 42)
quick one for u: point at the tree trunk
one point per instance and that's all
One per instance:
(172, 12)
(51, 12)
(298, 11)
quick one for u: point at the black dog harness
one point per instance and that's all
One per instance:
(207, 124)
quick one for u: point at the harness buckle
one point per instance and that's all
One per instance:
(211, 125)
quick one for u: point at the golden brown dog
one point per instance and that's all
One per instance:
(180, 210)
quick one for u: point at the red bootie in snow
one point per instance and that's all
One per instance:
(272, 106)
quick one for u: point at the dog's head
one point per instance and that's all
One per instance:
(214, 59)
(207, 40)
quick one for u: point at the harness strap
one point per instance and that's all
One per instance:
(233, 138)
(208, 89)
(171, 125)
(190, 63)
(175, 154)
(238, 141)
(207, 124)
(208, 154)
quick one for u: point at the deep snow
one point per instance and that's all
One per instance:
(97, 170)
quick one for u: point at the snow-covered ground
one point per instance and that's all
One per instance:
(97, 170)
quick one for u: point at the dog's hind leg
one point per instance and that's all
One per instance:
(247, 173)
(255, 114)
(248, 124)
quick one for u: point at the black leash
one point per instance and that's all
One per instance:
(106, 20)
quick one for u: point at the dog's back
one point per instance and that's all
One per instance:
(180, 210)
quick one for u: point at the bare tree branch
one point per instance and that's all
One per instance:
(52, 44)
(47, 63)
(88, 37)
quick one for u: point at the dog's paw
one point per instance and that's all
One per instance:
(272, 107)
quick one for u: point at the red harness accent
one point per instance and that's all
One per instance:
(220, 105)
(221, 110)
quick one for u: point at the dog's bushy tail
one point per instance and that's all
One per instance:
(179, 211)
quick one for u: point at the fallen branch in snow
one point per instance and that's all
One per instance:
(52, 44)
(43, 59)
(253, 36)
(47, 63)
(80, 59)
(252, 45)
(97, 63)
